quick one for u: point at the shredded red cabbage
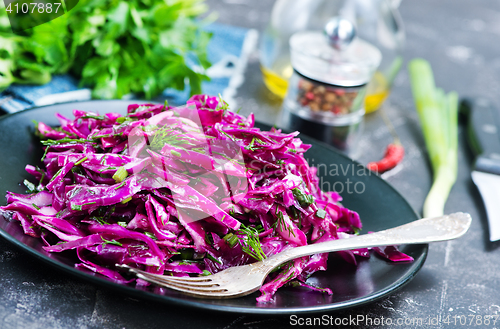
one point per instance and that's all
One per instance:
(183, 191)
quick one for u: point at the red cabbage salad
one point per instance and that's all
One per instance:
(184, 191)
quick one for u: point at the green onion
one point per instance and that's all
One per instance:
(120, 175)
(205, 273)
(231, 239)
(175, 153)
(321, 213)
(126, 200)
(121, 119)
(30, 186)
(438, 116)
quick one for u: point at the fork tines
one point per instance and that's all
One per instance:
(196, 286)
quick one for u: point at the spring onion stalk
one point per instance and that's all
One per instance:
(120, 175)
(438, 113)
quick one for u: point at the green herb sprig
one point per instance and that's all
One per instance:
(248, 238)
(115, 47)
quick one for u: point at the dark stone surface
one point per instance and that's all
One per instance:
(459, 279)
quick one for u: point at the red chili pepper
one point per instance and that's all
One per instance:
(393, 155)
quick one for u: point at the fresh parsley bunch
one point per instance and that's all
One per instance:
(116, 47)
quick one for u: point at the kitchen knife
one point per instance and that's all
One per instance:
(483, 135)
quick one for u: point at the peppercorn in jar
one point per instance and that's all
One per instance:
(325, 97)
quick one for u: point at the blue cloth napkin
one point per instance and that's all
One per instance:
(228, 52)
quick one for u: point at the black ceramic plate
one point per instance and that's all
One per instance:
(378, 204)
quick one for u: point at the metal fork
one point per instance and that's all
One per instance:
(242, 280)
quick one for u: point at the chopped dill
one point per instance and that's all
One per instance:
(114, 242)
(303, 199)
(282, 224)
(212, 258)
(250, 243)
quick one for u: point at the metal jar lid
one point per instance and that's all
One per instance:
(335, 56)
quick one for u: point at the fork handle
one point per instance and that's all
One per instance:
(424, 230)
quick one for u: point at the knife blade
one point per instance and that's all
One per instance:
(483, 136)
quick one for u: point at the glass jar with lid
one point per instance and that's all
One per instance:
(326, 92)
(376, 21)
